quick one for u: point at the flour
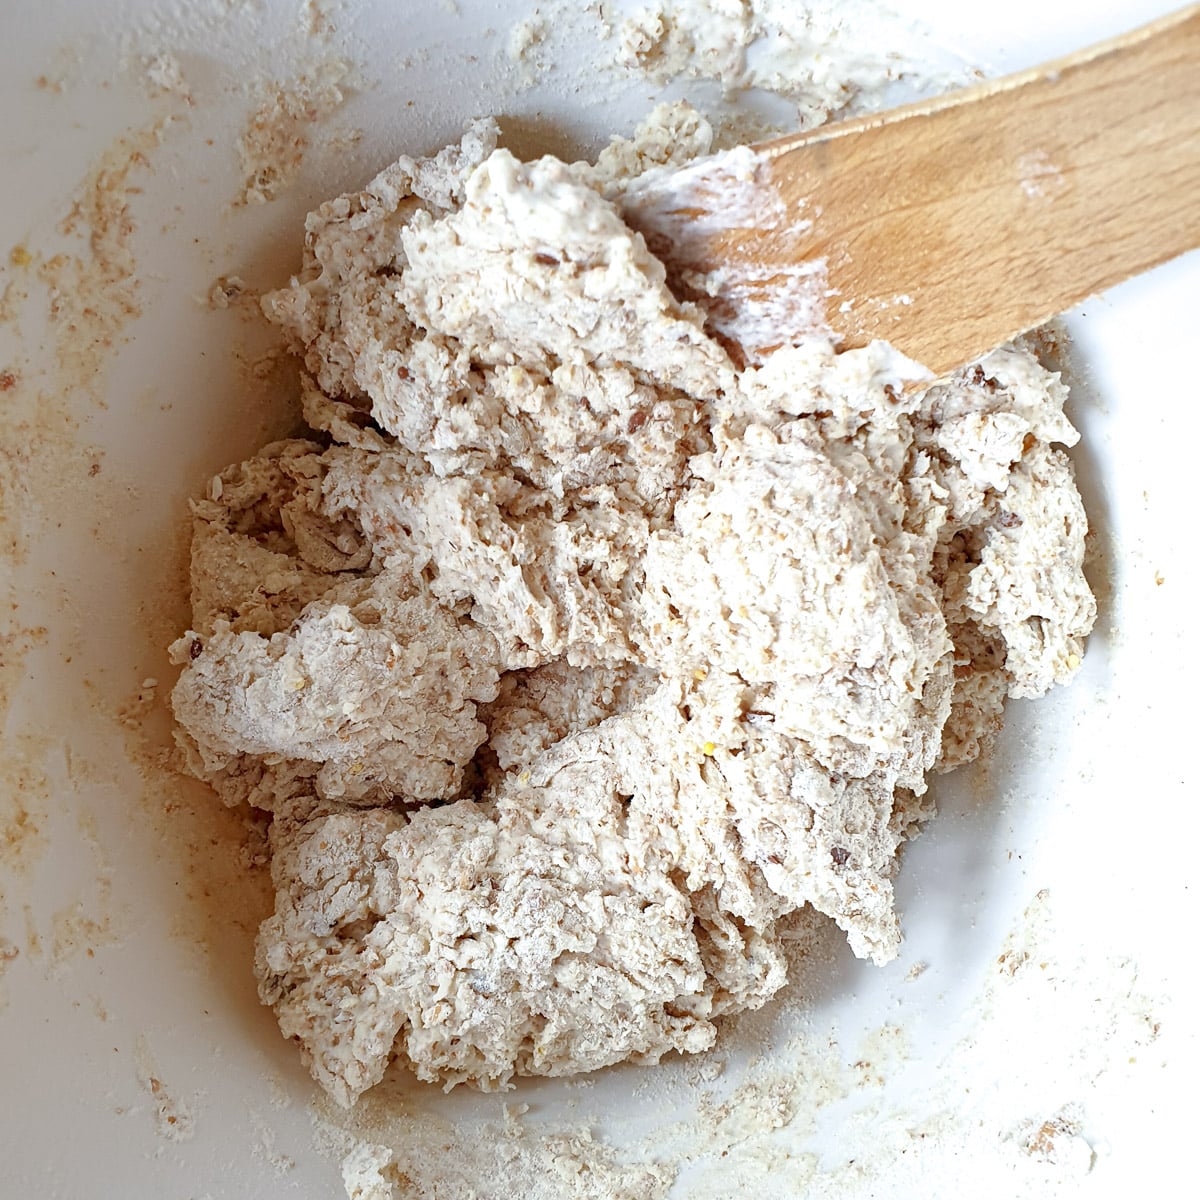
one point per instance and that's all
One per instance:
(172, 1113)
(276, 137)
(568, 1163)
(94, 288)
(164, 76)
(824, 60)
(1058, 1142)
(755, 306)
(525, 37)
(670, 646)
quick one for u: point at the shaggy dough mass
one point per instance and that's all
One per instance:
(570, 658)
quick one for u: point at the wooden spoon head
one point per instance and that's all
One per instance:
(948, 226)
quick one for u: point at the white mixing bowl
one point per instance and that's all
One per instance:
(1035, 1036)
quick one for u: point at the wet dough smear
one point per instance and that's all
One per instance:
(570, 657)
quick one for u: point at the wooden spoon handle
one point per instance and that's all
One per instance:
(951, 225)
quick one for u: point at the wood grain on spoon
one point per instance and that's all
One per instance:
(949, 226)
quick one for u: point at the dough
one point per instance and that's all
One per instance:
(571, 658)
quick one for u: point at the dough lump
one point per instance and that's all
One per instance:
(570, 657)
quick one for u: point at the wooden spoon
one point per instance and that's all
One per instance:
(951, 225)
